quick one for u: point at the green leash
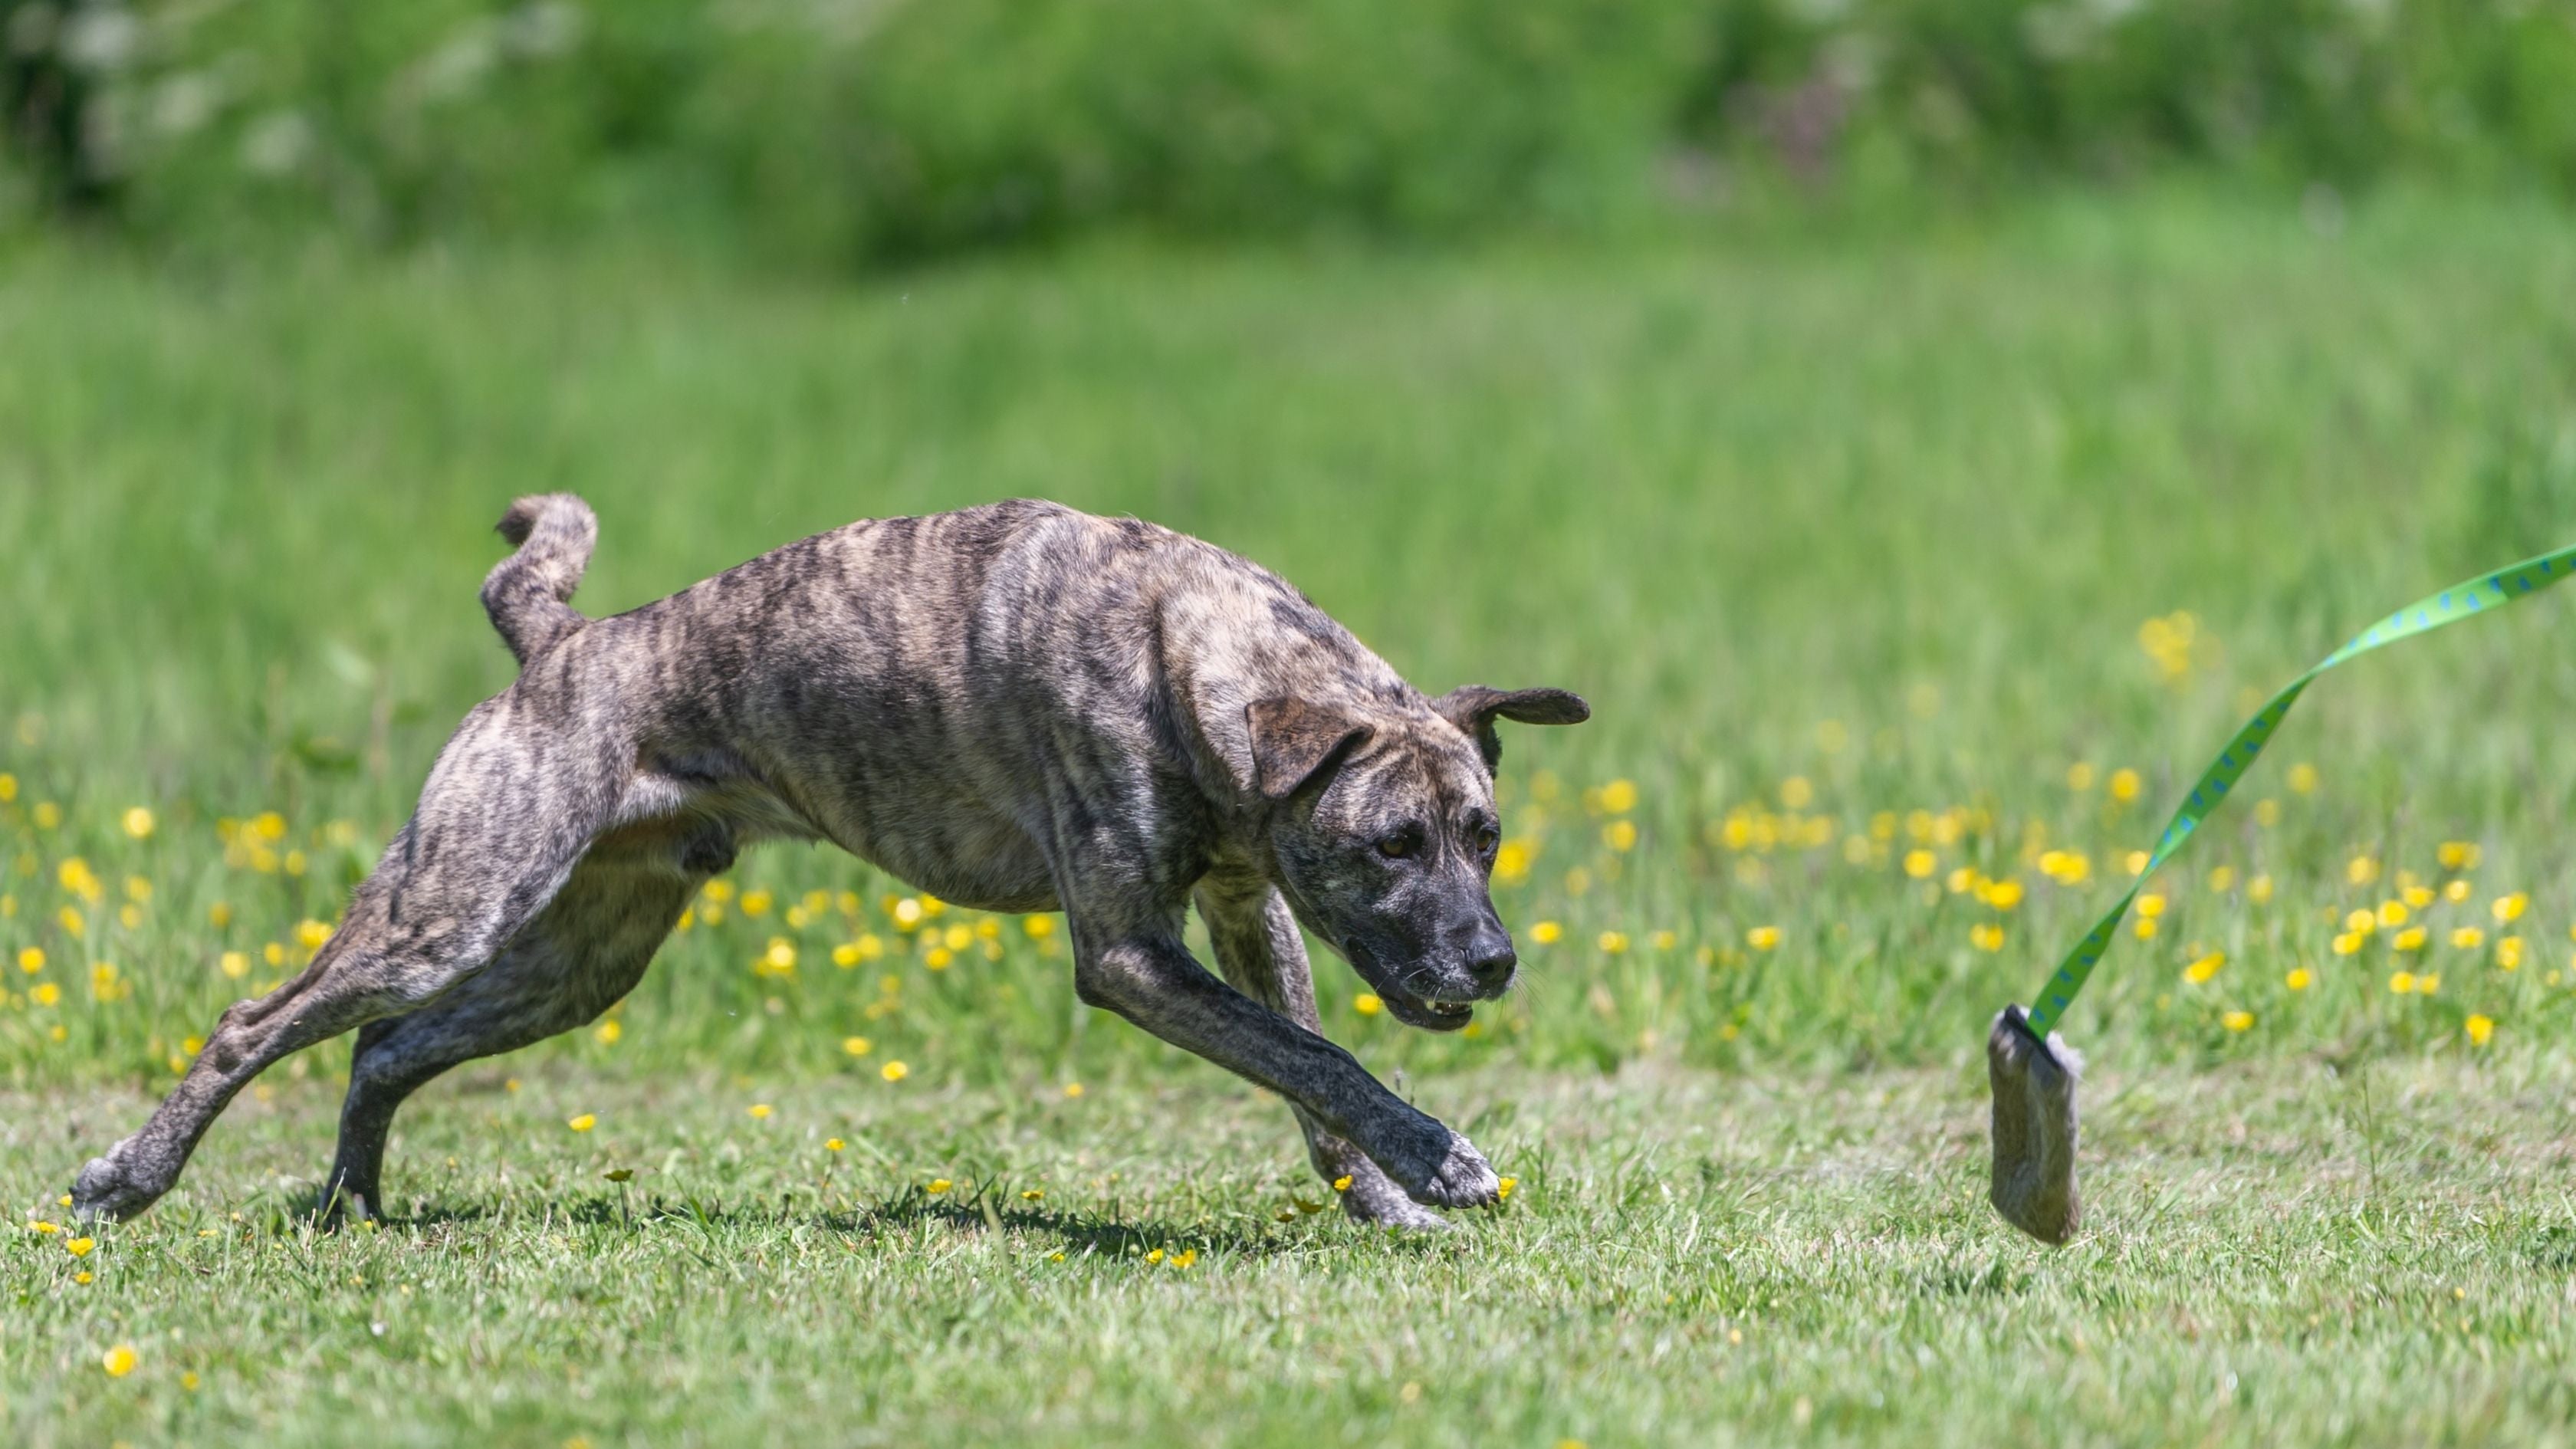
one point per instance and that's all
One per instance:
(2460, 601)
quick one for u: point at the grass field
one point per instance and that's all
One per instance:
(1869, 552)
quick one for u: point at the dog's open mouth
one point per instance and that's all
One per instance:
(1408, 1008)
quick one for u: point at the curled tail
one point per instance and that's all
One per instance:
(527, 593)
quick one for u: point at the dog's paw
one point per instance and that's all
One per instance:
(1373, 1200)
(1461, 1177)
(106, 1191)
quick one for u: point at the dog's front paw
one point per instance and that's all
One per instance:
(1374, 1200)
(1456, 1176)
(106, 1190)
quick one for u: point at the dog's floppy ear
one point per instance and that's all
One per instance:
(1294, 739)
(1474, 708)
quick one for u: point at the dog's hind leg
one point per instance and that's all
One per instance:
(575, 960)
(1260, 950)
(509, 808)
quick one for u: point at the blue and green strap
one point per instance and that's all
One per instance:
(2460, 601)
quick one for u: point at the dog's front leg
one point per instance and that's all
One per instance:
(1150, 978)
(1261, 951)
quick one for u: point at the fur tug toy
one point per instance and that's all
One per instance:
(2032, 1071)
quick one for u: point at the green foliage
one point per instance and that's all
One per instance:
(833, 132)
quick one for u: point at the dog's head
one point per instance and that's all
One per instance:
(1384, 828)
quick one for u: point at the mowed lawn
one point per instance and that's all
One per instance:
(1908, 574)
(2282, 1256)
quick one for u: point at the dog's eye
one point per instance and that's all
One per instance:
(1487, 838)
(1396, 846)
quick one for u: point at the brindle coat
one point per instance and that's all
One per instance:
(1017, 708)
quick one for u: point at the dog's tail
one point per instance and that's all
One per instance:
(528, 593)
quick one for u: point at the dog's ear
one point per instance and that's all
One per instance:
(1293, 740)
(1474, 708)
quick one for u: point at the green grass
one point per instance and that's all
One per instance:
(1689, 1258)
(1849, 542)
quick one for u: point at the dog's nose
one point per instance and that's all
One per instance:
(1490, 958)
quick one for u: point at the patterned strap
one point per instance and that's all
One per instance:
(2460, 601)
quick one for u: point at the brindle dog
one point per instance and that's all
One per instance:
(1017, 708)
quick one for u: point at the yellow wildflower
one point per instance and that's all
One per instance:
(2299, 979)
(79, 1247)
(2392, 913)
(2136, 861)
(2124, 784)
(1763, 938)
(2003, 895)
(2303, 778)
(45, 993)
(2418, 897)
(2361, 922)
(1366, 1003)
(2361, 870)
(1037, 928)
(1619, 797)
(119, 1361)
(939, 1184)
(2457, 855)
(2480, 1028)
(1546, 933)
(2410, 939)
(833, 1144)
(2259, 890)
(2222, 878)
(2428, 983)
(2199, 972)
(1620, 835)
(2509, 953)
(31, 959)
(2468, 938)
(1342, 1183)
(760, 1111)
(1612, 942)
(1986, 936)
(1921, 863)
(2457, 891)
(894, 1071)
(1073, 1089)
(2509, 909)
(138, 822)
(234, 964)
(2145, 928)
(608, 1032)
(2401, 982)
(2237, 1020)
(582, 1123)
(857, 1046)
(2151, 905)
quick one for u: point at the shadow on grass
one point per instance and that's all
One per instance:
(966, 1209)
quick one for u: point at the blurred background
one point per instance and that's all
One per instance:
(1920, 428)
(853, 136)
